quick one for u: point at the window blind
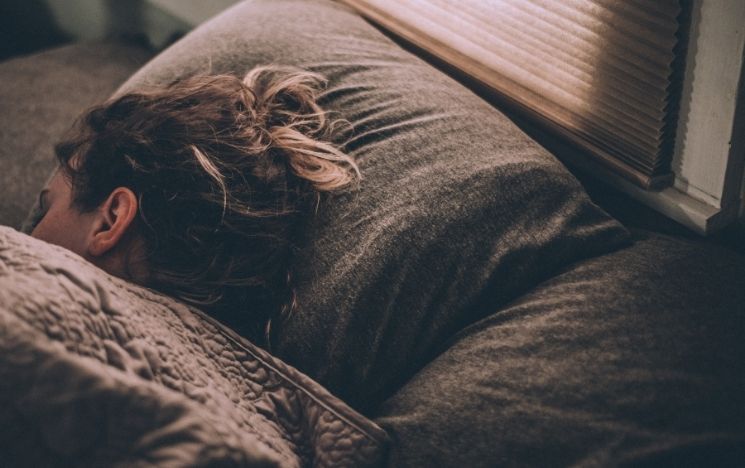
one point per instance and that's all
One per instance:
(601, 73)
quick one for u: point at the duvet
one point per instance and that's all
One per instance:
(95, 371)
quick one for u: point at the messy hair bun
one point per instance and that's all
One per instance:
(297, 125)
(225, 170)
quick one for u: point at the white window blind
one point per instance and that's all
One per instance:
(602, 73)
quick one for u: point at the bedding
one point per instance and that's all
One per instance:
(469, 299)
(633, 358)
(95, 371)
(458, 210)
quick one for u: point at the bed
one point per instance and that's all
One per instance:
(469, 305)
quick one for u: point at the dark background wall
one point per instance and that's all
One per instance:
(27, 26)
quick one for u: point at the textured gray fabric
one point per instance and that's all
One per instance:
(40, 97)
(635, 357)
(458, 210)
(96, 371)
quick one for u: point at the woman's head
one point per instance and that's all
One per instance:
(208, 180)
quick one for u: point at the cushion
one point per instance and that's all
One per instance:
(458, 210)
(95, 371)
(41, 95)
(634, 358)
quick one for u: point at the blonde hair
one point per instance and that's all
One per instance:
(225, 170)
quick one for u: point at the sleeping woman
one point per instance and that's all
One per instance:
(199, 190)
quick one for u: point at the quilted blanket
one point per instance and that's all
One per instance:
(96, 371)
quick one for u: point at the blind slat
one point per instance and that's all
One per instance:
(599, 70)
(626, 94)
(599, 25)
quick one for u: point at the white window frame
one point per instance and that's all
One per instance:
(709, 157)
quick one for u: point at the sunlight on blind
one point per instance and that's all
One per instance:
(597, 71)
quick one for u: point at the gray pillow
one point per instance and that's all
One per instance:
(634, 358)
(458, 212)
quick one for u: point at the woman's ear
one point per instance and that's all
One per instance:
(113, 219)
